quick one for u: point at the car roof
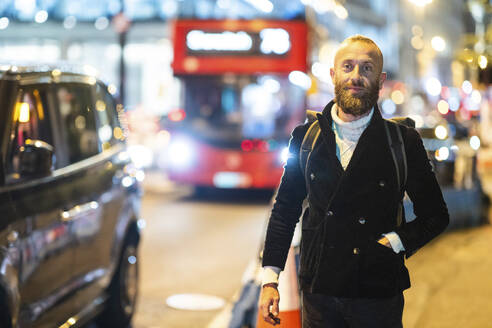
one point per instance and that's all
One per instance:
(9, 70)
(27, 73)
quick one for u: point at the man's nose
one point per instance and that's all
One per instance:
(356, 73)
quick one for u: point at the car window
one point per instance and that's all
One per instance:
(78, 121)
(109, 128)
(30, 120)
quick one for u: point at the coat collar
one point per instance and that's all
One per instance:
(369, 135)
(376, 117)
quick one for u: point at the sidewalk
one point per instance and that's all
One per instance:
(451, 282)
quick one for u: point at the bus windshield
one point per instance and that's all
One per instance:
(229, 108)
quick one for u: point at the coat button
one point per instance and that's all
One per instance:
(356, 251)
(312, 176)
(382, 183)
(362, 221)
(329, 213)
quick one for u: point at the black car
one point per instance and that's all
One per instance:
(69, 202)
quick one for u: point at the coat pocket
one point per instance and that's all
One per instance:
(379, 269)
(311, 247)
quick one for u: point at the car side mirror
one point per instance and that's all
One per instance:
(35, 159)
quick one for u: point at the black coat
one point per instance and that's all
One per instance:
(340, 255)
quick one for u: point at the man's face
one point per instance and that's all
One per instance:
(357, 77)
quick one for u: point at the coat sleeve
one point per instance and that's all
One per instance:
(287, 207)
(431, 212)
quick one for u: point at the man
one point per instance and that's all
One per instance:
(352, 271)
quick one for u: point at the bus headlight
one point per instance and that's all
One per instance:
(181, 153)
(141, 156)
(284, 155)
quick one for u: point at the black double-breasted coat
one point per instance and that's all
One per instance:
(339, 253)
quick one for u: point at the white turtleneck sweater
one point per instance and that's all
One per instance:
(347, 135)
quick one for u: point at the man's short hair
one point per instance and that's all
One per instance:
(364, 39)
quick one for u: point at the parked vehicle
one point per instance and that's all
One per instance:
(453, 158)
(69, 202)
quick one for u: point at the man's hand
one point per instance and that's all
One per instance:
(385, 242)
(269, 297)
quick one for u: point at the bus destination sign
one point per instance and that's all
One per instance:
(239, 46)
(268, 42)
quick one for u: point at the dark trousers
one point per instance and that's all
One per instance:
(321, 311)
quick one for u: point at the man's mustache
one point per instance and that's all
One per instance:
(358, 84)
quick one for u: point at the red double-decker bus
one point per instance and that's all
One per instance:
(240, 99)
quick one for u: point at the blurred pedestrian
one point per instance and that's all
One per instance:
(463, 164)
(352, 271)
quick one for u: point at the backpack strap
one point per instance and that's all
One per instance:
(307, 147)
(397, 148)
(407, 121)
(308, 143)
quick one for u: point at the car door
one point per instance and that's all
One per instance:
(43, 237)
(97, 251)
(92, 147)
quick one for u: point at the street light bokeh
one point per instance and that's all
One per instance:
(482, 62)
(421, 3)
(438, 43)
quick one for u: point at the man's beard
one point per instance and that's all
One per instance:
(358, 104)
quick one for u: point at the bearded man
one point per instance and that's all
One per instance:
(352, 271)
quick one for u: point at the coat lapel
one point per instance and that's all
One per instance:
(328, 136)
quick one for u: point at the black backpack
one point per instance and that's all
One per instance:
(395, 142)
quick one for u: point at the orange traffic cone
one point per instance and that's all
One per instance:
(289, 306)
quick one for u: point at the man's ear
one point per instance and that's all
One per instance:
(382, 78)
(332, 74)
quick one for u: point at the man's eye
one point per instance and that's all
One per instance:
(368, 68)
(347, 66)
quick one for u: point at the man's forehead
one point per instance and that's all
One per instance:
(358, 50)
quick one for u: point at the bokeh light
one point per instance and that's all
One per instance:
(443, 107)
